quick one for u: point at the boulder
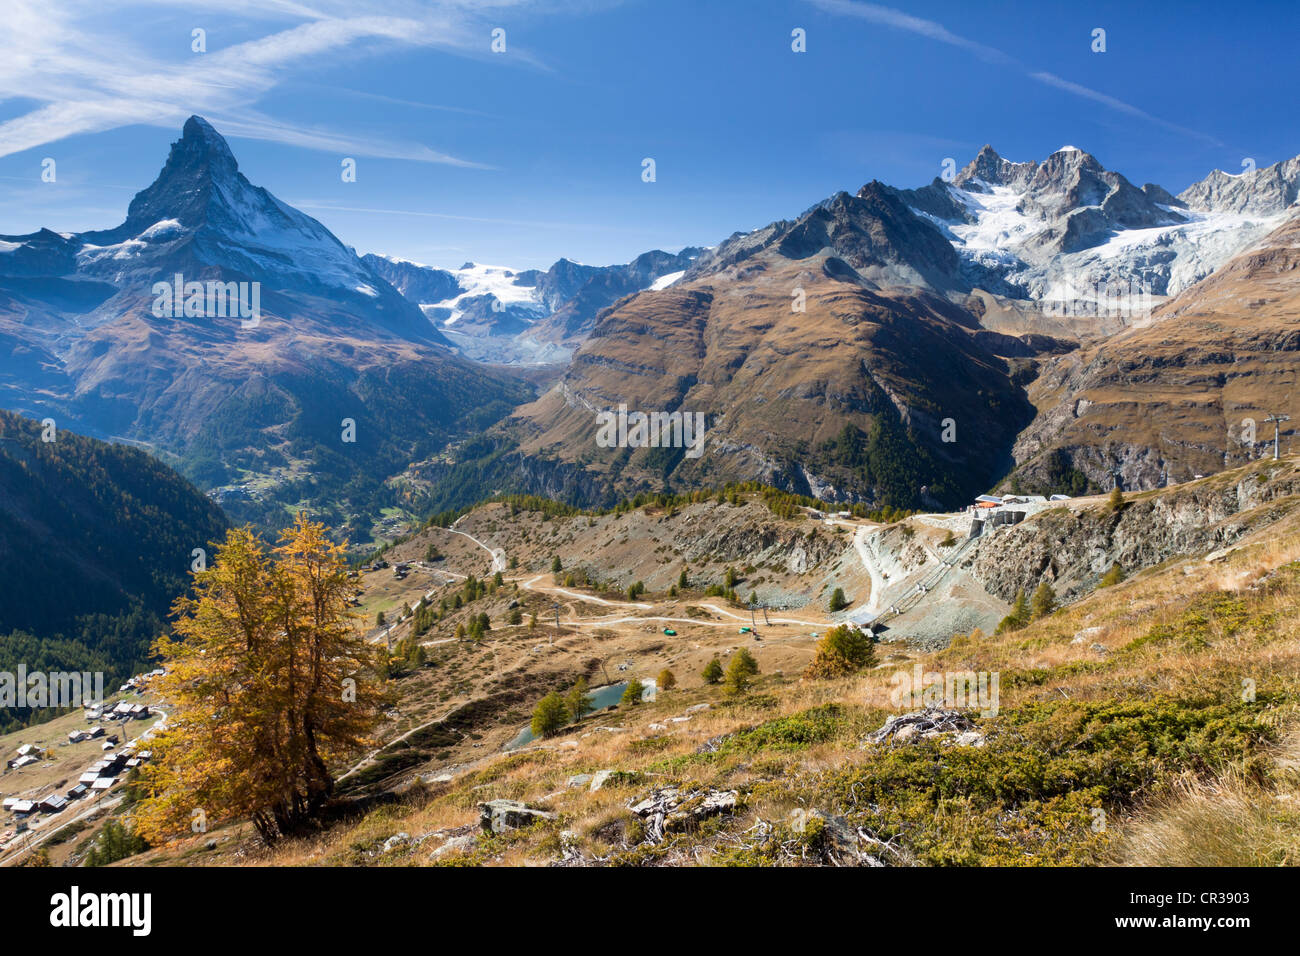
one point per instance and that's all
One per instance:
(497, 816)
(1086, 633)
(454, 845)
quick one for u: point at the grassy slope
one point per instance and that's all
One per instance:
(1131, 744)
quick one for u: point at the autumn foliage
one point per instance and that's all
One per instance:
(269, 685)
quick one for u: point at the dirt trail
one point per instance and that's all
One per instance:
(498, 554)
(873, 604)
(532, 585)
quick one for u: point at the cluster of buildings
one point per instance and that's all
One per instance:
(140, 682)
(27, 754)
(1008, 509)
(123, 711)
(99, 776)
(91, 733)
(104, 772)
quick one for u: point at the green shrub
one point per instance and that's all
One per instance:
(1112, 577)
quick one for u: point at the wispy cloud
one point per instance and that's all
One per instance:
(91, 80)
(888, 16)
(251, 125)
(399, 101)
(1077, 89)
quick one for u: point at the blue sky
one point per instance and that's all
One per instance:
(518, 158)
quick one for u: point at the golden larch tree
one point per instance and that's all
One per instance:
(269, 684)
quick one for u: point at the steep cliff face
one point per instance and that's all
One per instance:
(758, 540)
(1072, 547)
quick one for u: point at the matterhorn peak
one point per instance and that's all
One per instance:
(185, 187)
(199, 136)
(200, 150)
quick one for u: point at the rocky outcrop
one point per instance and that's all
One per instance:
(990, 169)
(498, 816)
(1072, 548)
(874, 232)
(758, 544)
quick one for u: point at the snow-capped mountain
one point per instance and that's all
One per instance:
(1064, 236)
(203, 219)
(1070, 228)
(84, 339)
(984, 299)
(502, 314)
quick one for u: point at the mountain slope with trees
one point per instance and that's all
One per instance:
(96, 541)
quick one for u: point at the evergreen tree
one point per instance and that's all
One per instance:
(579, 701)
(740, 670)
(838, 601)
(550, 715)
(1044, 601)
(1018, 617)
(632, 693)
(712, 671)
(115, 842)
(843, 650)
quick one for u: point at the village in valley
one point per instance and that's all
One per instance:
(71, 770)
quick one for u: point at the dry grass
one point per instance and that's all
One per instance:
(1223, 822)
